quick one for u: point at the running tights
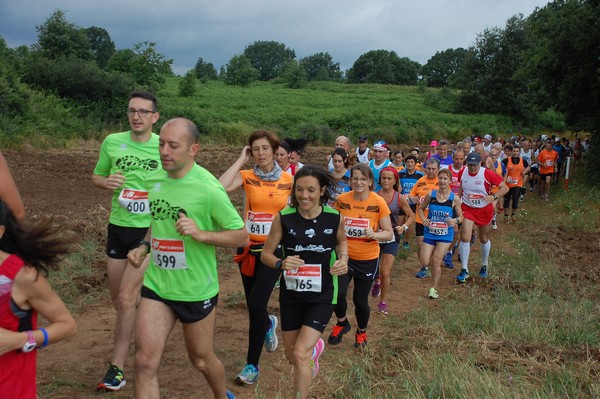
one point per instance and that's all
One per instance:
(360, 298)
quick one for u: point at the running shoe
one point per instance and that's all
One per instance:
(382, 308)
(361, 339)
(405, 245)
(113, 380)
(248, 375)
(483, 271)
(462, 276)
(424, 272)
(494, 225)
(433, 294)
(376, 289)
(521, 198)
(230, 395)
(337, 333)
(448, 261)
(530, 189)
(271, 340)
(314, 360)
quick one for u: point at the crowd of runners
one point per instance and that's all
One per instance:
(307, 231)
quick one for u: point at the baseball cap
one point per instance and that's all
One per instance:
(362, 137)
(557, 139)
(379, 145)
(544, 137)
(487, 137)
(434, 143)
(473, 159)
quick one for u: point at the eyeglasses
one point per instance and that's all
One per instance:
(361, 179)
(141, 112)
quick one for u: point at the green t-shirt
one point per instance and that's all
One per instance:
(183, 269)
(138, 162)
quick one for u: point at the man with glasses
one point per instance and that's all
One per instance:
(126, 160)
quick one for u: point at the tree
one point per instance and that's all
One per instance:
(320, 66)
(146, 65)
(101, 45)
(293, 75)
(240, 71)
(443, 66)
(268, 58)
(382, 66)
(187, 86)
(59, 38)
(204, 70)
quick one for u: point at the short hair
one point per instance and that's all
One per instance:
(267, 134)
(366, 171)
(409, 157)
(399, 152)
(446, 172)
(415, 149)
(324, 178)
(146, 95)
(442, 142)
(433, 160)
(342, 153)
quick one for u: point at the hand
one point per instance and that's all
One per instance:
(339, 267)
(426, 222)
(246, 154)
(114, 182)
(137, 256)
(451, 222)
(187, 227)
(10, 340)
(369, 232)
(292, 262)
(489, 199)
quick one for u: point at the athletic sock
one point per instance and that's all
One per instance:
(485, 252)
(464, 250)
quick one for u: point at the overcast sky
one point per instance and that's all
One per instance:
(216, 30)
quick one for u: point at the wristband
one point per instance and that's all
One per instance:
(45, 343)
(278, 264)
(146, 243)
(495, 196)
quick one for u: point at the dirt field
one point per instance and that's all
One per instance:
(58, 182)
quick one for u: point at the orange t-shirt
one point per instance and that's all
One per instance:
(547, 160)
(420, 189)
(358, 216)
(264, 199)
(515, 173)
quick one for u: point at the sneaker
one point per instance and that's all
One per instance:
(361, 339)
(433, 294)
(530, 189)
(405, 245)
(494, 226)
(314, 360)
(424, 272)
(113, 380)
(230, 395)
(271, 340)
(448, 260)
(376, 289)
(248, 376)
(382, 308)
(337, 333)
(483, 271)
(462, 276)
(521, 198)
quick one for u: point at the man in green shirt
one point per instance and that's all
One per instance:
(126, 160)
(191, 215)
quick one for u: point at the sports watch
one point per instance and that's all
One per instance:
(30, 344)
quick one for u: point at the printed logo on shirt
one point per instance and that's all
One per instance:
(310, 233)
(328, 231)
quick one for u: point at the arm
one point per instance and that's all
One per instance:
(111, 182)
(458, 219)
(231, 179)
(422, 207)
(137, 255)
(226, 238)
(410, 215)
(386, 233)
(9, 192)
(33, 289)
(341, 249)
(268, 254)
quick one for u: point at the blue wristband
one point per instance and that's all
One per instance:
(45, 343)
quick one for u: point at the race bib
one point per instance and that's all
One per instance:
(476, 200)
(438, 228)
(135, 201)
(549, 162)
(259, 223)
(512, 180)
(168, 254)
(306, 278)
(356, 227)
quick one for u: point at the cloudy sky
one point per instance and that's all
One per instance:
(216, 30)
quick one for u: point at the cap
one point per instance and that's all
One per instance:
(379, 145)
(473, 159)
(557, 139)
(433, 143)
(362, 137)
(487, 137)
(544, 137)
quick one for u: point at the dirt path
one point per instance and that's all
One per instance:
(58, 182)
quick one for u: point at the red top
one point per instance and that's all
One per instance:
(17, 373)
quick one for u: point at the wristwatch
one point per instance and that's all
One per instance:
(30, 344)
(495, 197)
(278, 264)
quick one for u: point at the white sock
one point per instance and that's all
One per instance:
(464, 249)
(485, 252)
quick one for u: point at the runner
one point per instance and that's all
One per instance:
(282, 157)
(191, 215)
(527, 154)
(380, 160)
(477, 209)
(425, 184)
(493, 164)
(442, 155)
(340, 173)
(340, 142)
(297, 148)
(399, 160)
(443, 215)
(315, 252)
(432, 150)
(388, 250)
(126, 160)
(562, 154)
(547, 160)
(458, 164)
(363, 154)
(516, 168)
(266, 190)
(27, 254)
(408, 177)
(366, 221)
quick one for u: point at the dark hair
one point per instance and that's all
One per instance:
(415, 149)
(298, 145)
(409, 157)
(265, 134)
(399, 152)
(325, 180)
(42, 245)
(366, 171)
(508, 147)
(342, 153)
(146, 95)
(284, 144)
